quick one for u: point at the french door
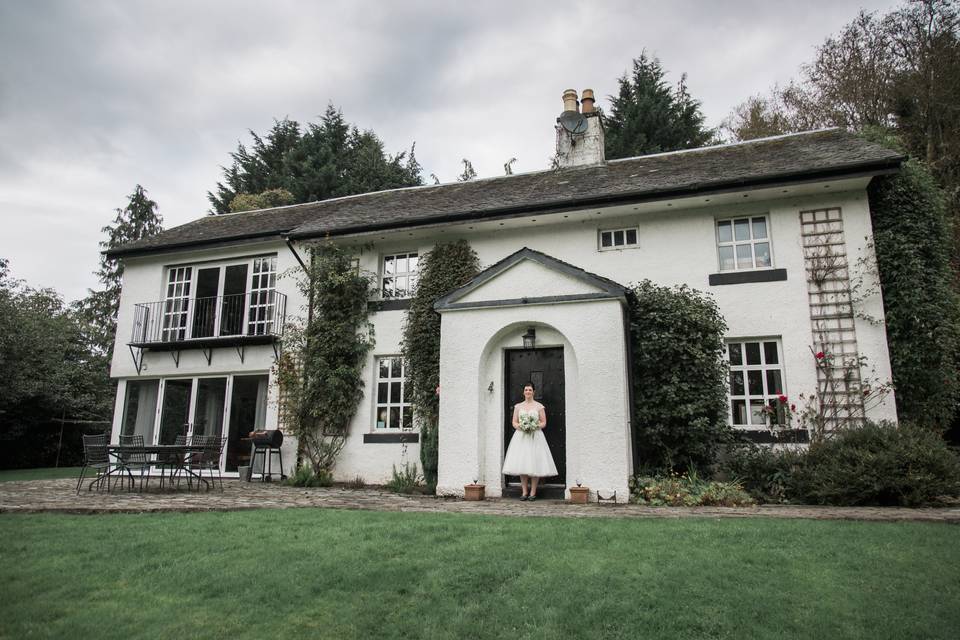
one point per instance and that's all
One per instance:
(220, 406)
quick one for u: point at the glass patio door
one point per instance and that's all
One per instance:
(175, 410)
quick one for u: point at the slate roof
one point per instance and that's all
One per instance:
(828, 153)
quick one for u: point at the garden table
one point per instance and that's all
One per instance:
(179, 453)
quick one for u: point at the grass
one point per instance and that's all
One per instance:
(354, 574)
(49, 473)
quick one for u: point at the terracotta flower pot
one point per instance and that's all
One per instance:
(474, 491)
(579, 495)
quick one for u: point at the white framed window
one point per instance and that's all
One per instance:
(617, 238)
(756, 379)
(176, 307)
(744, 243)
(398, 275)
(393, 410)
(262, 295)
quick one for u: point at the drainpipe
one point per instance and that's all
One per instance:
(306, 271)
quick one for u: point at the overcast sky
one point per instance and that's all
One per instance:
(96, 97)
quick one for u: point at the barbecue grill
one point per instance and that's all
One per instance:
(266, 444)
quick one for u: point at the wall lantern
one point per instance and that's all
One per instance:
(529, 338)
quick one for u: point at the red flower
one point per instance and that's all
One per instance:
(793, 407)
(820, 355)
(866, 392)
(782, 398)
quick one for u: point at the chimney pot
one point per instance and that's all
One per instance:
(570, 100)
(587, 100)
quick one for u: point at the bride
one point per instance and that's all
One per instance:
(528, 455)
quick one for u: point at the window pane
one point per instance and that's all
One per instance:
(388, 291)
(631, 236)
(774, 383)
(401, 286)
(741, 229)
(755, 382)
(413, 260)
(762, 250)
(753, 352)
(388, 264)
(385, 368)
(394, 418)
(744, 257)
(382, 393)
(736, 383)
(407, 417)
(395, 392)
(756, 412)
(396, 368)
(618, 238)
(606, 239)
(759, 228)
(736, 357)
(382, 418)
(724, 232)
(739, 412)
(770, 353)
(726, 258)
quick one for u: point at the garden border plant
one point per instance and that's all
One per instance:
(320, 371)
(442, 269)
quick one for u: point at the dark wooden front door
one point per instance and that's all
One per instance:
(544, 368)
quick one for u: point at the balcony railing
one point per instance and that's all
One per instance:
(244, 317)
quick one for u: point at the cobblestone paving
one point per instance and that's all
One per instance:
(58, 496)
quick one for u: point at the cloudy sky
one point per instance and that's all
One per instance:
(96, 97)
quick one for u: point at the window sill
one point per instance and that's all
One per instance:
(392, 437)
(762, 436)
(743, 277)
(390, 304)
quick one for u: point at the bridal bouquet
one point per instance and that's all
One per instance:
(529, 423)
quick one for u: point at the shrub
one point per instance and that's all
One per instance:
(304, 476)
(879, 464)
(407, 480)
(357, 483)
(679, 378)
(686, 490)
(767, 474)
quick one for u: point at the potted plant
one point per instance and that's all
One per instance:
(579, 494)
(474, 491)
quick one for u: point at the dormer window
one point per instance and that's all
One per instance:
(398, 275)
(744, 244)
(618, 238)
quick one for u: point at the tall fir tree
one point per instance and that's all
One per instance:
(326, 159)
(648, 116)
(138, 219)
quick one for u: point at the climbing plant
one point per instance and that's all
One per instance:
(912, 239)
(443, 269)
(679, 378)
(320, 373)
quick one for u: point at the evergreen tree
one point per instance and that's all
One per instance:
(326, 159)
(138, 219)
(648, 116)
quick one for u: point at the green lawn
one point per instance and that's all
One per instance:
(307, 573)
(49, 473)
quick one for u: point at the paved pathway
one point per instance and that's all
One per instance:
(38, 496)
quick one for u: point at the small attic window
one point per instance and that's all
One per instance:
(612, 239)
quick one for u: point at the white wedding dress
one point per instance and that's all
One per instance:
(529, 453)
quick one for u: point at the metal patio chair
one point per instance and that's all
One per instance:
(135, 460)
(208, 457)
(95, 456)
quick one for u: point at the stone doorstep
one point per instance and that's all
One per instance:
(59, 496)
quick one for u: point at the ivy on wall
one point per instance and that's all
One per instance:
(320, 372)
(912, 239)
(442, 269)
(679, 378)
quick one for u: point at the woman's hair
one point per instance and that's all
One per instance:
(529, 384)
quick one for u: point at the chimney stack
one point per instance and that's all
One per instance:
(587, 100)
(579, 134)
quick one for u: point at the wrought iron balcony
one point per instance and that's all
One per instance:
(257, 317)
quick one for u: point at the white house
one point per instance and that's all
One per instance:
(203, 304)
